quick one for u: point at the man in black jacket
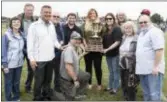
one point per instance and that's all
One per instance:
(26, 19)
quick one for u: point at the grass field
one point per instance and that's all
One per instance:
(92, 94)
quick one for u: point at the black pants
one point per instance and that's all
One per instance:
(129, 92)
(56, 65)
(96, 58)
(30, 74)
(43, 78)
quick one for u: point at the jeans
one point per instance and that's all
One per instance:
(151, 86)
(114, 71)
(30, 74)
(12, 84)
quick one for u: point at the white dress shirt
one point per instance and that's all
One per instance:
(41, 41)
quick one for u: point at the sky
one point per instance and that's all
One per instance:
(132, 9)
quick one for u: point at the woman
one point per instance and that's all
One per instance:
(127, 61)
(111, 42)
(12, 60)
(92, 57)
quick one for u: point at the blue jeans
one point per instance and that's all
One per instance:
(151, 86)
(12, 84)
(114, 75)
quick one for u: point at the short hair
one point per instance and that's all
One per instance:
(13, 19)
(72, 14)
(132, 24)
(45, 6)
(28, 4)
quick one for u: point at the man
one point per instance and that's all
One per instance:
(70, 27)
(56, 62)
(26, 19)
(121, 18)
(150, 64)
(73, 80)
(41, 42)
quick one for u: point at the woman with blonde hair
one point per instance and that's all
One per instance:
(127, 61)
(92, 57)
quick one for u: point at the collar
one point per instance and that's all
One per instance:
(10, 31)
(42, 22)
(146, 30)
(69, 27)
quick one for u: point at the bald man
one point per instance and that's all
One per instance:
(121, 18)
(150, 63)
(60, 35)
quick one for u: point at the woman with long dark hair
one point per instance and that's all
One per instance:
(111, 42)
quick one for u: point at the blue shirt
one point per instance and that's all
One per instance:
(148, 42)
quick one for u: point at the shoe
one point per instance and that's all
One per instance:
(99, 87)
(107, 89)
(80, 97)
(113, 92)
(89, 87)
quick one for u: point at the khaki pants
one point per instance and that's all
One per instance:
(68, 88)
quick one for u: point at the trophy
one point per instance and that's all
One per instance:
(96, 29)
(95, 41)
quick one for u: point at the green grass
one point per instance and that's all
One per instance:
(92, 94)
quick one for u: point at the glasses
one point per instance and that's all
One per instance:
(144, 22)
(108, 19)
(56, 16)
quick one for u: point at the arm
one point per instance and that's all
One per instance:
(70, 71)
(4, 51)
(30, 43)
(158, 43)
(158, 57)
(68, 59)
(118, 37)
(56, 43)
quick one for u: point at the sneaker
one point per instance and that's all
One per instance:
(107, 89)
(89, 87)
(80, 97)
(99, 87)
(113, 92)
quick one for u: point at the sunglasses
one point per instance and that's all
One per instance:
(56, 16)
(144, 22)
(108, 19)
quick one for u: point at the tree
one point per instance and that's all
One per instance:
(157, 18)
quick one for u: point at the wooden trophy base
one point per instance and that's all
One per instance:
(94, 45)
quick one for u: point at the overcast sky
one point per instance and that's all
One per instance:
(132, 9)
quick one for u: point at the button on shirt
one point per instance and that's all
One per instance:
(148, 42)
(41, 41)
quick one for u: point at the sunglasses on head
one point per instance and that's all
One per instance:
(56, 16)
(108, 19)
(144, 22)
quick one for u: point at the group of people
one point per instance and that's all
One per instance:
(134, 53)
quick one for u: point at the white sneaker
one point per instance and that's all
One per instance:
(89, 87)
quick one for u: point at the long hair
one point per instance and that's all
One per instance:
(88, 22)
(114, 20)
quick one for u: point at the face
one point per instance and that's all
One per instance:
(128, 30)
(143, 22)
(46, 14)
(121, 17)
(92, 15)
(71, 20)
(29, 11)
(109, 20)
(76, 42)
(16, 24)
(56, 18)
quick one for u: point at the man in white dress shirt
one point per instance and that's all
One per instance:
(41, 42)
